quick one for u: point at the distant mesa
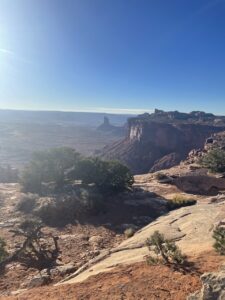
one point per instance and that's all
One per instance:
(176, 116)
(162, 139)
(106, 126)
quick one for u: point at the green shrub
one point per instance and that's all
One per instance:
(219, 236)
(3, 252)
(62, 164)
(66, 208)
(214, 160)
(166, 251)
(180, 201)
(48, 166)
(107, 176)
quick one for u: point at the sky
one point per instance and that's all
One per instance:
(122, 56)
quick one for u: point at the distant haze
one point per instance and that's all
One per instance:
(60, 117)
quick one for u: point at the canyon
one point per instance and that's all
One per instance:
(163, 139)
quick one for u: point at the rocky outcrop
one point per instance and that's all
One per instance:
(200, 184)
(107, 127)
(166, 162)
(213, 287)
(162, 140)
(190, 227)
(216, 140)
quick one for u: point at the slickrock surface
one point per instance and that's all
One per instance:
(190, 226)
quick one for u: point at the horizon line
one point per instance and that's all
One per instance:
(116, 111)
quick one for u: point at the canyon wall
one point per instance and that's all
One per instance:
(152, 145)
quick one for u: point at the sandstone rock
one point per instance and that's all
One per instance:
(37, 281)
(200, 184)
(18, 292)
(107, 127)
(63, 270)
(219, 198)
(155, 142)
(96, 239)
(217, 140)
(167, 161)
(190, 227)
(213, 287)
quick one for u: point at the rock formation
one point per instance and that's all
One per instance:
(213, 286)
(162, 139)
(200, 184)
(216, 140)
(106, 126)
(191, 227)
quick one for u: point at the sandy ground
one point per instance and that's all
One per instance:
(135, 282)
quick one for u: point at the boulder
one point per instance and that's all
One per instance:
(37, 281)
(63, 270)
(213, 287)
(96, 239)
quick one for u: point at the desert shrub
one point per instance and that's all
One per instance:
(3, 252)
(180, 201)
(48, 166)
(129, 232)
(38, 249)
(63, 209)
(118, 177)
(214, 160)
(55, 211)
(27, 203)
(219, 236)
(62, 164)
(166, 251)
(107, 176)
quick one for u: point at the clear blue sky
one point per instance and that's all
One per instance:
(112, 54)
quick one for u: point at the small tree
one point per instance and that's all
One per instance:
(118, 177)
(219, 236)
(48, 166)
(214, 160)
(166, 251)
(37, 250)
(108, 176)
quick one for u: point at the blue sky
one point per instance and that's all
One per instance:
(112, 55)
